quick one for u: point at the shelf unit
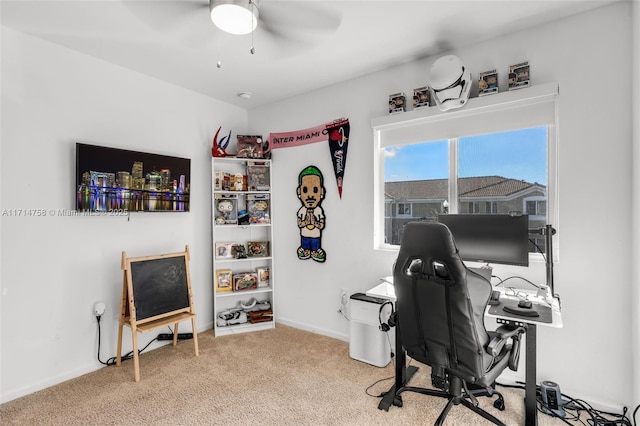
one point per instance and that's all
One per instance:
(226, 233)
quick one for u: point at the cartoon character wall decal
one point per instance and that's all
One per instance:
(311, 219)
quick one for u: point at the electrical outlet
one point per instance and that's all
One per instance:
(344, 297)
(98, 309)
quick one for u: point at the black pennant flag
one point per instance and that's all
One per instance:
(338, 141)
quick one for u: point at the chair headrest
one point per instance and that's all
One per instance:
(429, 248)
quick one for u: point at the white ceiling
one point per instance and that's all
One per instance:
(314, 44)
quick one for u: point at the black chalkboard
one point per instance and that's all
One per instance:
(160, 286)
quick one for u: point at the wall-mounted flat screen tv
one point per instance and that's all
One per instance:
(112, 179)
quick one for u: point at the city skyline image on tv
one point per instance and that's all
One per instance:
(113, 179)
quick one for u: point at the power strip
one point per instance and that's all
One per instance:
(169, 336)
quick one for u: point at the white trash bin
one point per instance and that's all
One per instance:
(367, 342)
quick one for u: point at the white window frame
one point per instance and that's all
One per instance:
(512, 110)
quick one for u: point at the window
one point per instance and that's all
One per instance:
(537, 207)
(403, 210)
(502, 172)
(490, 157)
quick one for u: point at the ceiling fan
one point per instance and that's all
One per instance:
(286, 24)
(235, 16)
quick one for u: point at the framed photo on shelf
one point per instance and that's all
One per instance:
(224, 250)
(223, 280)
(263, 277)
(258, 248)
(245, 281)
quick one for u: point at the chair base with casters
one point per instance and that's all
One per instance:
(458, 392)
(457, 395)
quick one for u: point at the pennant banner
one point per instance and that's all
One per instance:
(337, 132)
(298, 137)
(338, 141)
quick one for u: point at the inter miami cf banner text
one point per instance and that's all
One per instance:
(338, 141)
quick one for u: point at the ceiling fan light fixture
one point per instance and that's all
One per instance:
(234, 16)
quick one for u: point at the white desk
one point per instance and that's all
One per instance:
(556, 314)
(384, 290)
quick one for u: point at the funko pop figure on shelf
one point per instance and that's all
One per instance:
(225, 208)
(237, 182)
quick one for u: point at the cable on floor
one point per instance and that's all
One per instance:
(114, 359)
(575, 407)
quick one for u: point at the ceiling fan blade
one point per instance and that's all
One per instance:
(302, 21)
(167, 15)
(187, 21)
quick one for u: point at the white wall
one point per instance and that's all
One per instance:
(635, 282)
(591, 356)
(55, 268)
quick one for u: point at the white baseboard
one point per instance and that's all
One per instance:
(312, 329)
(51, 381)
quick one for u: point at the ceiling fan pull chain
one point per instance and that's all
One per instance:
(219, 49)
(253, 16)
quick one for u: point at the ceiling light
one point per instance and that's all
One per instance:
(234, 16)
(244, 95)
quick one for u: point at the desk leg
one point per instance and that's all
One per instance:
(530, 403)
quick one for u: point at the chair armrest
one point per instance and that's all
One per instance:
(502, 335)
(507, 331)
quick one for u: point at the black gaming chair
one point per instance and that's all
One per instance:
(440, 318)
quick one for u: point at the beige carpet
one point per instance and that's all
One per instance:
(276, 377)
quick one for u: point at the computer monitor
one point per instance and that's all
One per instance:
(490, 238)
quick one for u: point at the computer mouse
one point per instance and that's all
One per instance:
(524, 304)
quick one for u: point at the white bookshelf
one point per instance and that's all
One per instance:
(227, 234)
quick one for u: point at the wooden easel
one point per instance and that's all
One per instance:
(150, 319)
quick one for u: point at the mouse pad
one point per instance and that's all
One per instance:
(543, 311)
